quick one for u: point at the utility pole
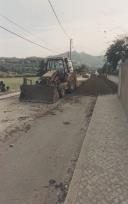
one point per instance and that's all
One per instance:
(70, 53)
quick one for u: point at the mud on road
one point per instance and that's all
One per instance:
(38, 165)
(16, 118)
(97, 86)
(40, 145)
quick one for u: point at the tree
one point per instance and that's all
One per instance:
(42, 68)
(116, 52)
(105, 69)
(82, 68)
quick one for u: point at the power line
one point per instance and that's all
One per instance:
(59, 22)
(16, 24)
(21, 27)
(26, 39)
(27, 31)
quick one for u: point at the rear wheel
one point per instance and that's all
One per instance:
(61, 92)
(72, 86)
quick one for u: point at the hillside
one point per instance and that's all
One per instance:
(31, 64)
(91, 61)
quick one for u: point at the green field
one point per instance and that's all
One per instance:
(15, 82)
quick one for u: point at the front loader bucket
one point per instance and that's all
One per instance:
(39, 93)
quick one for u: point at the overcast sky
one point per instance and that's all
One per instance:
(93, 25)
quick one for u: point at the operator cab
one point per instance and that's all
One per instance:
(60, 64)
(63, 66)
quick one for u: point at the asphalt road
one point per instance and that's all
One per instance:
(38, 166)
(9, 95)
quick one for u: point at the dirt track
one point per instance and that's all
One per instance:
(40, 145)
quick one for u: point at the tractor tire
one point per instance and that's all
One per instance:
(72, 86)
(61, 92)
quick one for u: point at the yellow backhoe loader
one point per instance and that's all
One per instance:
(59, 78)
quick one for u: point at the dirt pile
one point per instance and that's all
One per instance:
(97, 86)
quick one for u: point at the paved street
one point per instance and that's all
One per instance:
(101, 175)
(9, 95)
(37, 167)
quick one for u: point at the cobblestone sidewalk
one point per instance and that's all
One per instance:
(101, 175)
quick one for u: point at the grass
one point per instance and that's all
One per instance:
(15, 82)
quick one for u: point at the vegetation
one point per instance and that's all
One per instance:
(16, 66)
(42, 67)
(105, 69)
(32, 65)
(15, 82)
(82, 69)
(116, 52)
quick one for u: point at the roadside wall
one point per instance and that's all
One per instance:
(113, 78)
(123, 85)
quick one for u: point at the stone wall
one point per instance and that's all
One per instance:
(123, 85)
